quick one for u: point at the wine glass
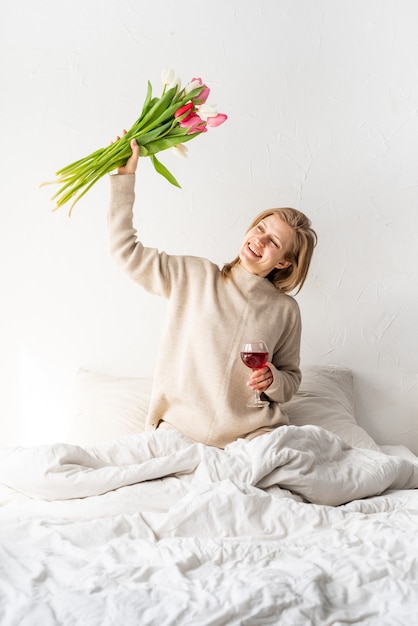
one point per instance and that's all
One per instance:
(254, 355)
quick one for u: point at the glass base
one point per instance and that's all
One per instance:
(254, 404)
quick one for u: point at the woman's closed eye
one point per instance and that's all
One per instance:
(261, 229)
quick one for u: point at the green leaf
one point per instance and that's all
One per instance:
(145, 137)
(145, 111)
(193, 93)
(143, 152)
(157, 108)
(168, 142)
(147, 99)
(177, 130)
(149, 124)
(161, 169)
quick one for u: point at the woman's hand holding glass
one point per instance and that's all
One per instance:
(261, 379)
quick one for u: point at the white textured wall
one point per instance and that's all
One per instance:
(322, 98)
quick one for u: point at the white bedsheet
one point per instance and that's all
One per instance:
(207, 546)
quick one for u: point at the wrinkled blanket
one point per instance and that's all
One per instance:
(308, 461)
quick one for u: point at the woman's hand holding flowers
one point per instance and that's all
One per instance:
(132, 163)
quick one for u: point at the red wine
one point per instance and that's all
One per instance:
(255, 360)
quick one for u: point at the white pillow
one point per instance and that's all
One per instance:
(326, 398)
(108, 407)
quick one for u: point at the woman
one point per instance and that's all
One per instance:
(200, 382)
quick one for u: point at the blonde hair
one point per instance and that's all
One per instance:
(304, 241)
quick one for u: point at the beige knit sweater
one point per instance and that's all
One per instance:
(200, 382)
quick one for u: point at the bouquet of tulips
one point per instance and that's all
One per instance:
(169, 121)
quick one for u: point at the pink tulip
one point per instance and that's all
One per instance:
(204, 94)
(217, 120)
(202, 97)
(194, 123)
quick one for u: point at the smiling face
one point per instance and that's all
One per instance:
(265, 246)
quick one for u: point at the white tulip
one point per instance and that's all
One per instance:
(168, 76)
(192, 85)
(180, 150)
(208, 110)
(170, 80)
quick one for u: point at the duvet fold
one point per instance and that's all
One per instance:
(306, 460)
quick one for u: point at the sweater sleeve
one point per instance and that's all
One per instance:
(146, 266)
(285, 365)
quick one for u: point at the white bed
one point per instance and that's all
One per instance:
(209, 537)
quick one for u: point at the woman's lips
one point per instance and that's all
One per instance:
(253, 251)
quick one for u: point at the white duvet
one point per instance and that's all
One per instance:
(158, 530)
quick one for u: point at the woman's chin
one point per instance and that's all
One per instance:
(247, 265)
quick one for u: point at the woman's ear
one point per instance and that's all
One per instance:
(282, 265)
